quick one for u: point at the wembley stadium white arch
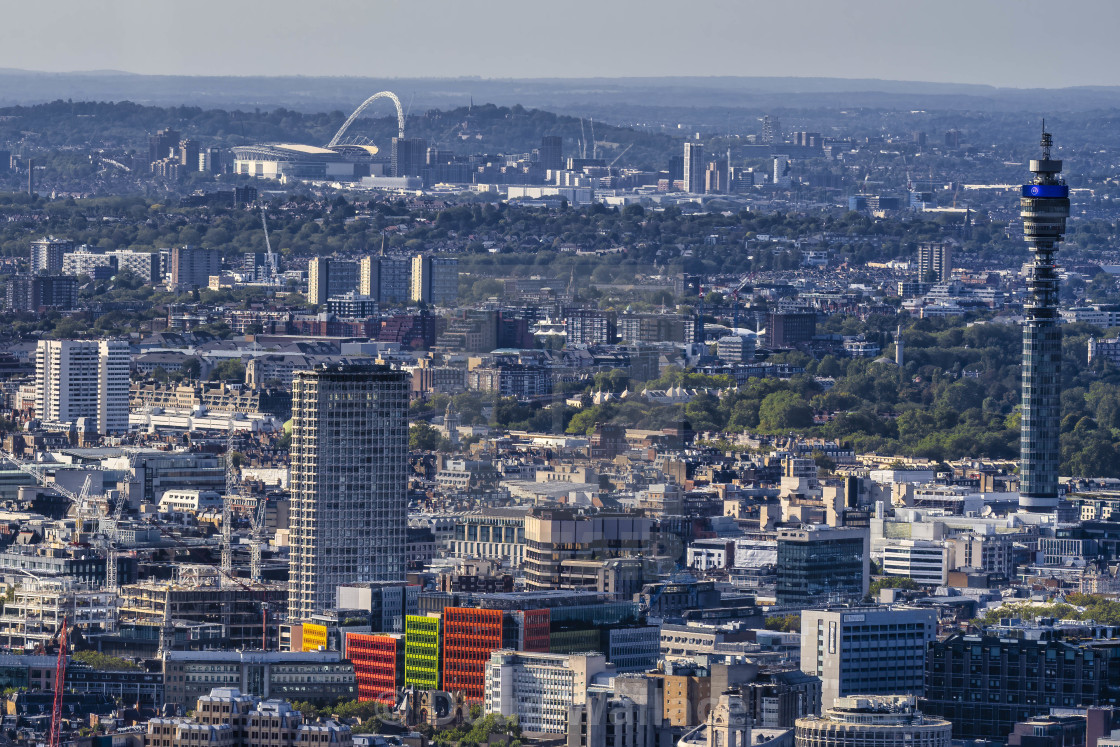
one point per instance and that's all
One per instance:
(358, 112)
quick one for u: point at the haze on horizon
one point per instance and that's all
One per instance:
(1006, 43)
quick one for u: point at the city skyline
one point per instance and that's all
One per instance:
(724, 411)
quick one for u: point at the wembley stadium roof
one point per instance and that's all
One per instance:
(285, 152)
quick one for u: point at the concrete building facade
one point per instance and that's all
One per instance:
(435, 280)
(191, 266)
(867, 650)
(77, 379)
(539, 688)
(47, 254)
(694, 167)
(306, 675)
(935, 262)
(925, 562)
(328, 277)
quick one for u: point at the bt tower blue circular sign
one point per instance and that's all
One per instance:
(1045, 190)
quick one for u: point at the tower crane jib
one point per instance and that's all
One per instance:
(264, 222)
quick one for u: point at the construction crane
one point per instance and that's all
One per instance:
(112, 543)
(59, 687)
(167, 629)
(264, 626)
(109, 539)
(81, 500)
(623, 153)
(39, 474)
(735, 302)
(233, 488)
(270, 258)
(867, 178)
(81, 503)
(256, 546)
(264, 222)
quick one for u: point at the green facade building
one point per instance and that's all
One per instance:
(422, 652)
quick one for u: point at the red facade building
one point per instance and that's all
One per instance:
(378, 665)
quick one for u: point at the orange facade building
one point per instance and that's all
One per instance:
(470, 635)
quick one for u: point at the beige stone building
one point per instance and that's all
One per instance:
(226, 718)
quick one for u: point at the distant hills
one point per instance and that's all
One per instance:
(623, 99)
(481, 128)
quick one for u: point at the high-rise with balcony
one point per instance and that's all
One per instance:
(83, 379)
(349, 463)
(387, 279)
(191, 266)
(47, 254)
(435, 280)
(935, 262)
(694, 167)
(1044, 207)
(327, 277)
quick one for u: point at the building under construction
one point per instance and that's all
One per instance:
(201, 611)
(32, 620)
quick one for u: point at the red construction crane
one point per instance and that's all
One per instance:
(59, 687)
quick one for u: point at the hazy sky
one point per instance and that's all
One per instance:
(1020, 43)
